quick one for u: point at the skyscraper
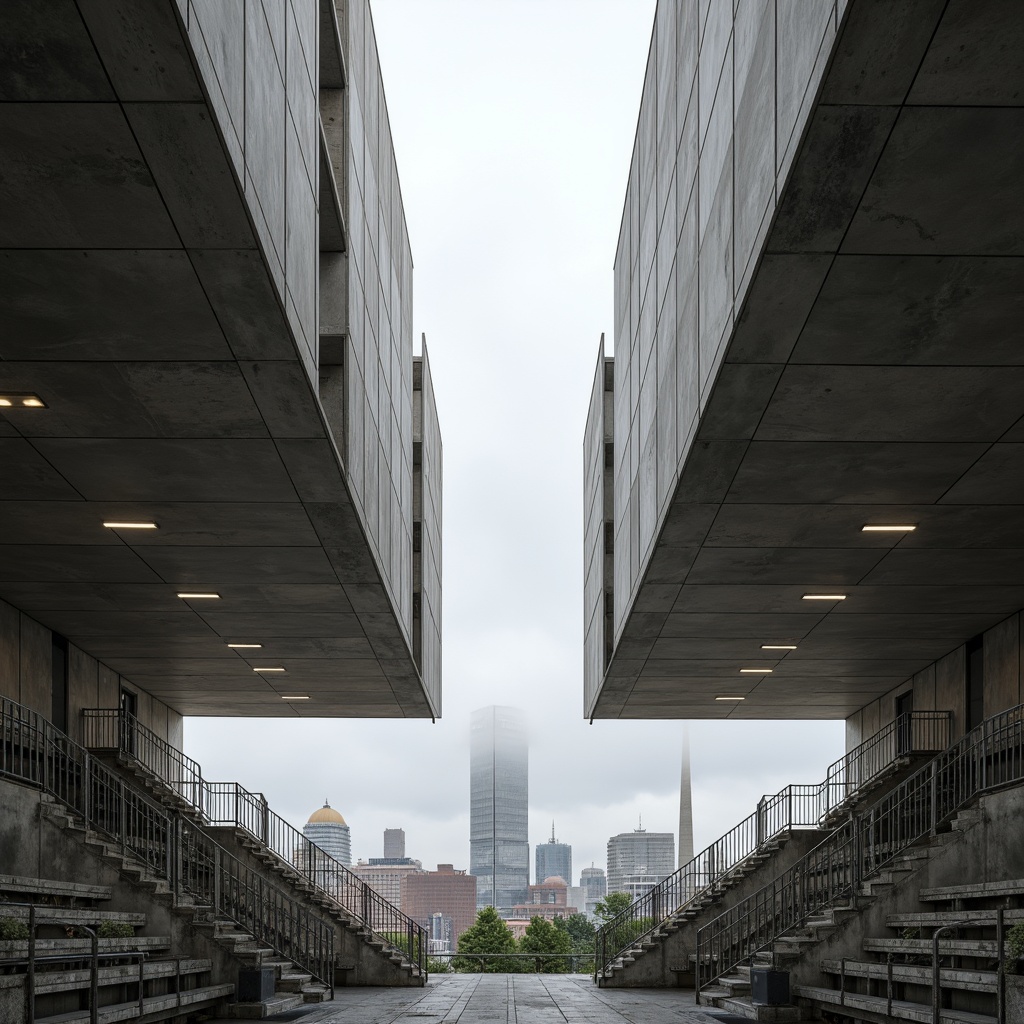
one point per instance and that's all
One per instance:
(327, 828)
(639, 859)
(499, 850)
(595, 888)
(394, 843)
(553, 860)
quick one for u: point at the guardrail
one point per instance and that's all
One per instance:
(33, 751)
(798, 806)
(229, 805)
(989, 757)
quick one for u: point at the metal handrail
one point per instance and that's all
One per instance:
(34, 751)
(229, 805)
(795, 807)
(989, 757)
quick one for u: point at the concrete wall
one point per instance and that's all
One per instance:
(259, 63)
(378, 350)
(727, 93)
(593, 535)
(427, 509)
(942, 686)
(25, 665)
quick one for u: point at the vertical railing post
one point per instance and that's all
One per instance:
(1001, 969)
(94, 978)
(934, 800)
(216, 880)
(30, 988)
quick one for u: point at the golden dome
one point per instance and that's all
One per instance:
(326, 815)
(555, 881)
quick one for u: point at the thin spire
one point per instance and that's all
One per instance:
(552, 830)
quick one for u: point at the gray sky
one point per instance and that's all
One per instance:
(513, 123)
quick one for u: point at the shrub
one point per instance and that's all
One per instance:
(1015, 947)
(11, 928)
(115, 930)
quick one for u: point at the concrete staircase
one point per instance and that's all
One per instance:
(140, 977)
(894, 976)
(732, 992)
(292, 988)
(703, 902)
(285, 874)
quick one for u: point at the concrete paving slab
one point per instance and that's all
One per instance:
(505, 999)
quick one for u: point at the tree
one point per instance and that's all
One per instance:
(612, 905)
(488, 934)
(580, 931)
(543, 937)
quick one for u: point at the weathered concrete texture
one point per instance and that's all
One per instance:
(33, 846)
(655, 968)
(990, 851)
(26, 653)
(843, 350)
(507, 999)
(171, 158)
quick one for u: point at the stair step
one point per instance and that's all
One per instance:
(901, 1010)
(278, 1003)
(195, 998)
(970, 981)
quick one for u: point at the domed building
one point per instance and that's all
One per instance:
(328, 830)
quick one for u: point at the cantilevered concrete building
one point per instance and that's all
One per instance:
(221, 460)
(803, 467)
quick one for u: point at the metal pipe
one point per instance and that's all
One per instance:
(1001, 969)
(888, 985)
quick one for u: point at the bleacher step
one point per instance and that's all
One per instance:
(900, 1010)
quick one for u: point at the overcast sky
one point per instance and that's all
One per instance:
(513, 123)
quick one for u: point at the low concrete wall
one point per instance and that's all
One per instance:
(654, 969)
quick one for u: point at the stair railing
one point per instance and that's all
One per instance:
(795, 807)
(229, 805)
(34, 751)
(989, 757)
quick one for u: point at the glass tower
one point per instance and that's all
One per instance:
(499, 849)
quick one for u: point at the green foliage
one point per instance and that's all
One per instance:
(439, 965)
(909, 934)
(115, 930)
(488, 934)
(1015, 947)
(612, 905)
(580, 930)
(12, 929)
(543, 937)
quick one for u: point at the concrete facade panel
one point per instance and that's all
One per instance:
(1001, 651)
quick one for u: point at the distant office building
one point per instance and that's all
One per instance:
(384, 874)
(328, 830)
(553, 858)
(577, 899)
(498, 842)
(394, 843)
(595, 888)
(444, 893)
(548, 899)
(637, 855)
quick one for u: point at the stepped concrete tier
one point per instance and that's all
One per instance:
(894, 913)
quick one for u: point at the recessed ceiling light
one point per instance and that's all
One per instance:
(778, 647)
(824, 597)
(246, 646)
(292, 696)
(887, 528)
(730, 698)
(130, 526)
(276, 668)
(189, 595)
(26, 399)
(756, 671)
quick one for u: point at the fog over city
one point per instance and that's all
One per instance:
(513, 125)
